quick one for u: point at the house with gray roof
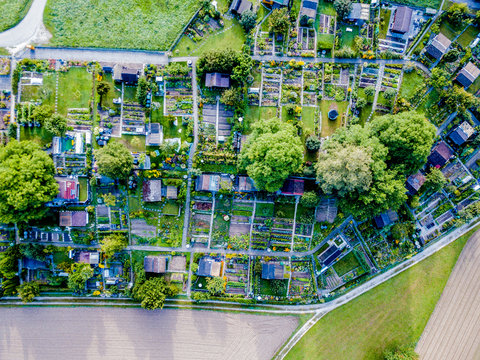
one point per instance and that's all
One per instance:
(217, 80)
(461, 133)
(468, 75)
(439, 46)
(274, 271)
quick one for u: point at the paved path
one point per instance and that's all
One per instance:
(192, 154)
(102, 55)
(453, 329)
(27, 29)
(378, 86)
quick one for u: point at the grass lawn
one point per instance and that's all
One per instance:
(129, 93)
(132, 142)
(468, 35)
(475, 86)
(308, 119)
(264, 209)
(421, 3)
(44, 93)
(36, 134)
(83, 181)
(233, 38)
(326, 8)
(170, 131)
(348, 37)
(448, 30)
(393, 313)
(130, 24)
(170, 208)
(325, 42)
(346, 264)
(329, 126)
(114, 93)
(266, 287)
(411, 81)
(74, 89)
(285, 211)
(13, 11)
(385, 16)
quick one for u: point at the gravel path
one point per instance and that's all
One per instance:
(29, 29)
(453, 329)
(92, 333)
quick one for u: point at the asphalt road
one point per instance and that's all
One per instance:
(27, 28)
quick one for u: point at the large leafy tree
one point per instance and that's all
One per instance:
(373, 188)
(41, 113)
(153, 293)
(28, 291)
(26, 182)
(457, 99)
(248, 20)
(273, 152)
(216, 286)
(78, 276)
(409, 138)
(457, 12)
(103, 88)
(112, 244)
(56, 125)
(343, 7)
(114, 160)
(279, 20)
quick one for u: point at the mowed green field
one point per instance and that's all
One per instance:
(394, 313)
(130, 24)
(12, 12)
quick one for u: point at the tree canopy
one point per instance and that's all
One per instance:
(27, 182)
(226, 61)
(248, 20)
(27, 291)
(153, 292)
(343, 7)
(112, 244)
(409, 138)
(273, 152)
(279, 20)
(103, 88)
(56, 125)
(78, 276)
(114, 160)
(216, 286)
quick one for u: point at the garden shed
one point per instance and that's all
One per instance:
(414, 183)
(293, 187)
(468, 75)
(402, 20)
(73, 218)
(273, 271)
(89, 257)
(177, 264)
(155, 264)
(360, 12)
(69, 189)
(246, 184)
(126, 74)
(210, 267)
(154, 134)
(440, 154)
(240, 6)
(386, 218)
(439, 46)
(461, 133)
(217, 80)
(309, 9)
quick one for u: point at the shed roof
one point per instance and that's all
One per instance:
(468, 75)
(240, 6)
(415, 182)
(273, 271)
(246, 184)
(217, 80)
(177, 263)
(293, 187)
(438, 46)
(461, 133)
(155, 264)
(209, 267)
(68, 188)
(402, 19)
(440, 154)
(89, 257)
(73, 218)
(385, 219)
(359, 12)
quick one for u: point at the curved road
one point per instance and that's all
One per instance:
(26, 29)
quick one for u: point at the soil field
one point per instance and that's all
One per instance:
(106, 333)
(452, 331)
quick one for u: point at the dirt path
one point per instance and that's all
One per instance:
(453, 329)
(91, 333)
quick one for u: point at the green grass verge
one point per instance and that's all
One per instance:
(308, 119)
(410, 82)
(13, 11)
(74, 89)
(346, 264)
(393, 313)
(131, 24)
(83, 196)
(468, 35)
(329, 126)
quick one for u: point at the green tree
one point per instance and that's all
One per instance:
(216, 286)
(279, 21)
(409, 138)
(232, 97)
(243, 68)
(401, 231)
(153, 293)
(113, 244)
(27, 182)
(56, 125)
(439, 79)
(199, 296)
(142, 90)
(457, 99)
(313, 143)
(343, 8)
(456, 13)
(404, 353)
(361, 103)
(435, 180)
(273, 152)
(223, 61)
(27, 291)
(369, 91)
(103, 88)
(42, 113)
(309, 199)
(248, 20)
(114, 160)
(78, 277)
(451, 56)
(389, 94)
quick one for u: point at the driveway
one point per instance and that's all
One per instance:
(29, 29)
